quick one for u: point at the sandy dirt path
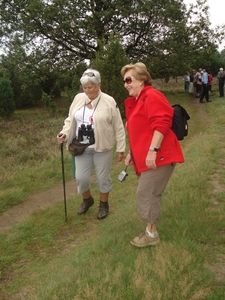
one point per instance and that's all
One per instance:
(36, 202)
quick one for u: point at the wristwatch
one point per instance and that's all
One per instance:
(153, 149)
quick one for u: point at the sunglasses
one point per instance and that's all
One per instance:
(127, 80)
(89, 74)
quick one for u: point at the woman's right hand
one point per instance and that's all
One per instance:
(128, 160)
(61, 138)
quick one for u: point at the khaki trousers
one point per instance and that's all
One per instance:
(149, 192)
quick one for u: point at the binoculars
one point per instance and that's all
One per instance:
(86, 131)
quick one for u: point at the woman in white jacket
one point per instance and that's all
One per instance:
(98, 112)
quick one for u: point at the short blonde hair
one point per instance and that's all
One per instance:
(140, 72)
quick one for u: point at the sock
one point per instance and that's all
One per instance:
(152, 234)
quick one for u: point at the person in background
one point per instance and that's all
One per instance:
(186, 82)
(221, 78)
(191, 84)
(154, 148)
(205, 91)
(210, 82)
(198, 79)
(99, 111)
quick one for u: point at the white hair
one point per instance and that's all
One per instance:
(90, 75)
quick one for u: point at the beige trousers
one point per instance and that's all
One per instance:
(149, 192)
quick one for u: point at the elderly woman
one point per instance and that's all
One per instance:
(98, 111)
(154, 148)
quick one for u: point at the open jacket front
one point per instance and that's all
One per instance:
(150, 112)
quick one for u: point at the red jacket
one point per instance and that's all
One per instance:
(210, 79)
(151, 111)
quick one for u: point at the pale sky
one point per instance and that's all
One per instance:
(217, 13)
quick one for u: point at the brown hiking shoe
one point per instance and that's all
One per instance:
(144, 240)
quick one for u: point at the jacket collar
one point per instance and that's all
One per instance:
(143, 91)
(87, 100)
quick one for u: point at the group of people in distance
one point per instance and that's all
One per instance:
(199, 83)
(154, 149)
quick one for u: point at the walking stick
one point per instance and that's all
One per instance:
(64, 184)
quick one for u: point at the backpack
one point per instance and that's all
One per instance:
(180, 124)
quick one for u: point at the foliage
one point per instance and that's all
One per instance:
(49, 103)
(48, 43)
(189, 44)
(24, 80)
(29, 78)
(218, 61)
(74, 85)
(223, 56)
(7, 104)
(109, 60)
(69, 32)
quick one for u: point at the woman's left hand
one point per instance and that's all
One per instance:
(119, 155)
(151, 159)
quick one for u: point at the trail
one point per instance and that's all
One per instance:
(35, 203)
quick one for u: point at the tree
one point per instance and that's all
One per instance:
(218, 61)
(46, 40)
(24, 82)
(67, 32)
(7, 104)
(109, 60)
(189, 44)
(223, 57)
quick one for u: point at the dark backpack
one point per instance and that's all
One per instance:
(180, 124)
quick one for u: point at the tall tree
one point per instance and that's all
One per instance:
(109, 60)
(69, 31)
(24, 80)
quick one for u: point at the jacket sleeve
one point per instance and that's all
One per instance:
(159, 112)
(118, 127)
(69, 127)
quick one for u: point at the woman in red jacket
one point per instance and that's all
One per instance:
(154, 148)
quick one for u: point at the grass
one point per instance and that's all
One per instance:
(44, 257)
(29, 155)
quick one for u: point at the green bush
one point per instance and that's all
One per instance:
(7, 104)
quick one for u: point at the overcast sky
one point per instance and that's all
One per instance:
(217, 14)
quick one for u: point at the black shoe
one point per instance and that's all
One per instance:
(103, 210)
(85, 205)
